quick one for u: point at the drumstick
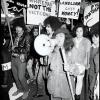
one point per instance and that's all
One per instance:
(40, 27)
(67, 73)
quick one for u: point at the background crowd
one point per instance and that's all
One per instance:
(74, 61)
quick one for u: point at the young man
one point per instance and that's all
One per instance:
(20, 51)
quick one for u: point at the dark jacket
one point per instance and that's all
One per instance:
(33, 53)
(94, 67)
(23, 45)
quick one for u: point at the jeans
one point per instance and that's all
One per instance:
(41, 80)
(19, 69)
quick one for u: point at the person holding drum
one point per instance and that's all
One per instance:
(36, 65)
(34, 57)
(57, 82)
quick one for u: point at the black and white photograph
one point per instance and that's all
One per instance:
(49, 50)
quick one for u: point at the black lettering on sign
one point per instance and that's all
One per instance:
(94, 8)
(34, 6)
(71, 13)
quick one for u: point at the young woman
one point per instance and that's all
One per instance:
(94, 66)
(57, 83)
(79, 58)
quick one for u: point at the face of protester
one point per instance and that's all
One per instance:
(95, 40)
(49, 30)
(19, 31)
(36, 32)
(79, 32)
(60, 39)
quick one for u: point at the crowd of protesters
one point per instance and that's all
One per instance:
(50, 72)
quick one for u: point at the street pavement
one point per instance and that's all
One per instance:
(33, 89)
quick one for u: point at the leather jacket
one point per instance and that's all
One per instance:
(23, 46)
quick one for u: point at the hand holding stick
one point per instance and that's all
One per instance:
(67, 73)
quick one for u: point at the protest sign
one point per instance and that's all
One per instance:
(38, 10)
(69, 9)
(91, 14)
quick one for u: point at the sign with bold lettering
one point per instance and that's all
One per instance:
(91, 14)
(38, 10)
(69, 9)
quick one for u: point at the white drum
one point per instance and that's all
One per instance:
(42, 45)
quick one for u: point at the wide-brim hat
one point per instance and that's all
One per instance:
(61, 30)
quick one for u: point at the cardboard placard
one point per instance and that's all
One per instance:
(69, 8)
(91, 14)
(38, 10)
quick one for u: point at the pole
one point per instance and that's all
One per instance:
(40, 28)
(67, 73)
(72, 25)
(9, 30)
(24, 13)
(57, 7)
(4, 7)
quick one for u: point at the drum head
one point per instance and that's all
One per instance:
(42, 45)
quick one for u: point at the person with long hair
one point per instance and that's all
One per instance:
(79, 58)
(57, 83)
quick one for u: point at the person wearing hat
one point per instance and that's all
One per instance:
(20, 51)
(57, 82)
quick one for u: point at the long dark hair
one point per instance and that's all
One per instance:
(85, 29)
(68, 42)
(54, 22)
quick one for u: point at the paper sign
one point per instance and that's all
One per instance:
(69, 8)
(91, 14)
(38, 10)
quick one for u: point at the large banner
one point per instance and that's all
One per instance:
(38, 10)
(91, 14)
(69, 9)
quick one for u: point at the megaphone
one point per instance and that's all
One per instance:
(44, 45)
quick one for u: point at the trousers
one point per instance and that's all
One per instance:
(18, 70)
